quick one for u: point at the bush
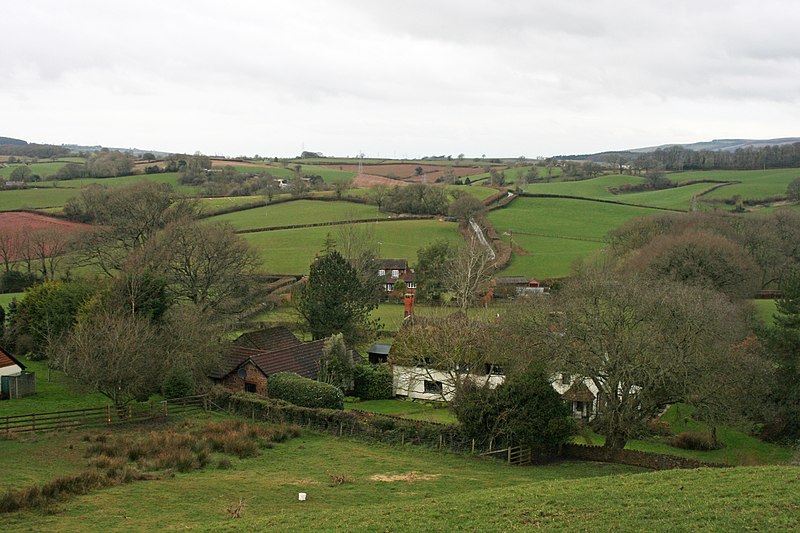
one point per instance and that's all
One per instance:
(15, 281)
(695, 440)
(372, 382)
(304, 392)
(178, 383)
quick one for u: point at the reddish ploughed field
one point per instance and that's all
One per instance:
(17, 230)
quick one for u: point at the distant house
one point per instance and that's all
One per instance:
(582, 395)
(392, 270)
(512, 286)
(14, 381)
(257, 355)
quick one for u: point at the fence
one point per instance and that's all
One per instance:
(364, 425)
(102, 416)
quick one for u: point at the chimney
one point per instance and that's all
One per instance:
(408, 300)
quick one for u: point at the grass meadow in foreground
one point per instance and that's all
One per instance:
(356, 486)
(293, 250)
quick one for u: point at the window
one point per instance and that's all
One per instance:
(494, 370)
(433, 387)
(395, 273)
(249, 386)
(565, 379)
(381, 272)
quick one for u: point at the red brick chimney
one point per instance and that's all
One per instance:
(408, 300)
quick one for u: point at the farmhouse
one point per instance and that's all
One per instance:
(259, 354)
(393, 270)
(14, 381)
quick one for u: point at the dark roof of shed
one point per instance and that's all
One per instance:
(379, 349)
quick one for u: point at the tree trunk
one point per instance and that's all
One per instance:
(616, 441)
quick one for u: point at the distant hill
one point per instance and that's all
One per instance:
(11, 140)
(97, 148)
(721, 145)
(717, 145)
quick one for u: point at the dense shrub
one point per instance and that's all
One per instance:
(372, 382)
(304, 392)
(524, 410)
(178, 382)
(695, 440)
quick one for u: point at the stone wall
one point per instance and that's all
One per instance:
(656, 461)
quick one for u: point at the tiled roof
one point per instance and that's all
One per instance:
(7, 360)
(268, 339)
(298, 357)
(392, 264)
(578, 392)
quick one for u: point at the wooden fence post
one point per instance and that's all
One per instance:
(403, 438)
(440, 442)
(473, 446)
(509, 455)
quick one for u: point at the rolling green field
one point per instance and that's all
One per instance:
(292, 251)
(550, 233)
(51, 194)
(34, 198)
(408, 489)
(298, 212)
(407, 409)
(592, 188)
(6, 298)
(42, 169)
(755, 183)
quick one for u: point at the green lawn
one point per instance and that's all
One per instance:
(764, 310)
(5, 298)
(54, 392)
(446, 493)
(551, 233)
(292, 251)
(298, 212)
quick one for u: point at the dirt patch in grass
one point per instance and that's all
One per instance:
(410, 477)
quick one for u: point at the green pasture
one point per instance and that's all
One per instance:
(39, 197)
(755, 184)
(428, 490)
(293, 250)
(391, 314)
(549, 234)
(170, 178)
(298, 212)
(676, 198)
(212, 205)
(42, 169)
(563, 217)
(592, 188)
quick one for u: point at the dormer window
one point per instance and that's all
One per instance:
(381, 272)
(395, 273)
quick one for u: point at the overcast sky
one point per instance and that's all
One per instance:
(398, 79)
